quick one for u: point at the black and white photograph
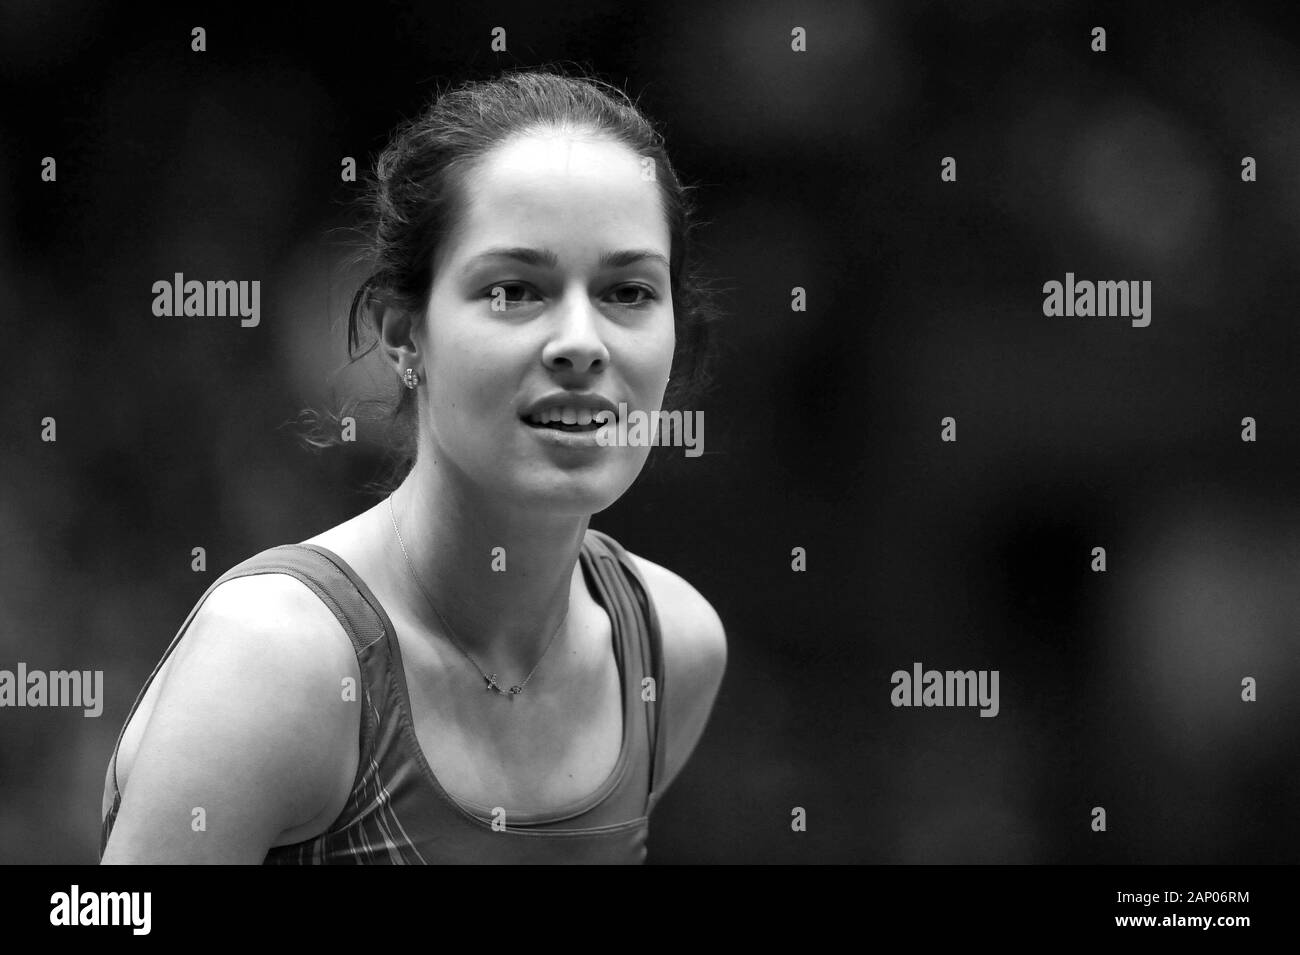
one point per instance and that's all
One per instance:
(755, 434)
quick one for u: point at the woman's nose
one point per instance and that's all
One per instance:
(576, 343)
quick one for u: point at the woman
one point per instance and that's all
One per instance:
(465, 672)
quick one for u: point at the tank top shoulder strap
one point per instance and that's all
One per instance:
(623, 579)
(357, 611)
(332, 582)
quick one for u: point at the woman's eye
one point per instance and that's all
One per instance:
(509, 292)
(633, 290)
(517, 293)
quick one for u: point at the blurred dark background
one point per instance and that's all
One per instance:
(820, 170)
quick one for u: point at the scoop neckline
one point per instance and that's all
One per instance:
(478, 812)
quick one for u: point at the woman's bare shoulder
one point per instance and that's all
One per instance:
(249, 722)
(683, 610)
(272, 617)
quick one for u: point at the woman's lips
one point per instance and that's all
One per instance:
(562, 426)
(573, 420)
(567, 435)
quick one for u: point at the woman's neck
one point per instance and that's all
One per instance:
(502, 580)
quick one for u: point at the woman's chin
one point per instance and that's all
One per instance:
(570, 494)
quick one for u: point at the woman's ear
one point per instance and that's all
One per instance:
(396, 335)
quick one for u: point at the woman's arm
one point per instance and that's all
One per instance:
(250, 736)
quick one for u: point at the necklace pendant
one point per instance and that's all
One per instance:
(492, 683)
(515, 691)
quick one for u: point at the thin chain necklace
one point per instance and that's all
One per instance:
(491, 679)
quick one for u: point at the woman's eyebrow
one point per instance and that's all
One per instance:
(546, 257)
(617, 260)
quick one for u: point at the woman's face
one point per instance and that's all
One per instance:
(552, 293)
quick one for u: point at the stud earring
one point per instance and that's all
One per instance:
(410, 378)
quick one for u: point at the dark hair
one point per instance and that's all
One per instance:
(413, 197)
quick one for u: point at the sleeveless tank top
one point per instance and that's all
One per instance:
(397, 811)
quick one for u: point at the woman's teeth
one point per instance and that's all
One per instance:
(575, 418)
(566, 415)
